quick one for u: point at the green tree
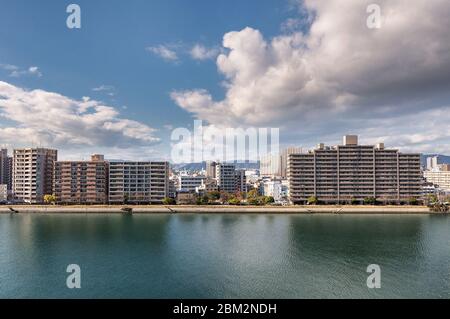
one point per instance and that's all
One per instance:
(234, 201)
(268, 200)
(370, 201)
(313, 200)
(169, 201)
(354, 201)
(49, 199)
(214, 195)
(413, 201)
(203, 200)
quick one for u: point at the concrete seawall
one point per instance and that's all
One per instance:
(31, 209)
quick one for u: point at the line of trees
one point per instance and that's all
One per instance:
(223, 198)
(313, 200)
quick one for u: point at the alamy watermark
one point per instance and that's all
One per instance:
(73, 281)
(374, 279)
(74, 19)
(222, 144)
(374, 19)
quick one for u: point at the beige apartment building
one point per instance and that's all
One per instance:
(347, 172)
(439, 176)
(81, 182)
(33, 173)
(138, 182)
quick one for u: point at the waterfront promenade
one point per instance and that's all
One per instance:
(210, 209)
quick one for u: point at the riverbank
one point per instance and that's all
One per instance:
(103, 209)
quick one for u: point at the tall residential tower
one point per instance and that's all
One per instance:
(33, 173)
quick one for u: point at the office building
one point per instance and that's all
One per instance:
(33, 173)
(81, 182)
(138, 182)
(352, 172)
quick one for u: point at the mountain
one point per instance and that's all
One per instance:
(200, 166)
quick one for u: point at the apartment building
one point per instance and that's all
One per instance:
(138, 182)
(348, 172)
(240, 181)
(33, 173)
(189, 183)
(270, 165)
(275, 165)
(439, 176)
(211, 169)
(3, 193)
(5, 168)
(81, 182)
(225, 177)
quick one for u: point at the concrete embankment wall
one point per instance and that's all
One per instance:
(218, 209)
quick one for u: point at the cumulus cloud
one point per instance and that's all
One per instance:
(166, 52)
(48, 118)
(339, 75)
(200, 52)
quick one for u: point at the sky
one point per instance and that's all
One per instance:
(136, 70)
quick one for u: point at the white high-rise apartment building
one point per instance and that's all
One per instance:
(33, 173)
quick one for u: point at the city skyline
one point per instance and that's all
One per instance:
(121, 84)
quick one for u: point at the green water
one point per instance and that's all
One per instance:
(224, 256)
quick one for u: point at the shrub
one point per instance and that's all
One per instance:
(313, 200)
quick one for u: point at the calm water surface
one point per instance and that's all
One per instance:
(224, 256)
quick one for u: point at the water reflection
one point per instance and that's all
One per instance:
(220, 256)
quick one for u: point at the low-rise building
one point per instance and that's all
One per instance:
(189, 183)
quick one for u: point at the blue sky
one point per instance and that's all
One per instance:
(109, 49)
(114, 51)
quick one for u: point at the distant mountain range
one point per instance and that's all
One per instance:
(442, 159)
(199, 166)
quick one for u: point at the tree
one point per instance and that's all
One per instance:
(214, 195)
(354, 201)
(413, 201)
(268, 200)
(313, 200)
(224, 197)
(370, 201)
(49, 199)
(169, 201)
(234, 201)
(203, 200)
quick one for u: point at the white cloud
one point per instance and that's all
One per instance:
(166, 52)
(103, 88)
(339, 76)
(200, 52)
(52, 119)
(15, 71)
